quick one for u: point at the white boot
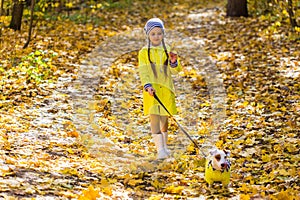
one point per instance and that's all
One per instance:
(159, 143)
(165, 138)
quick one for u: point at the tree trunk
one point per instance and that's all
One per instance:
(17, 14)
(291, 14)
(30, 25)
(237, 8)
(1, 7)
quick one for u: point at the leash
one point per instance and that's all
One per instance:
(182, 129)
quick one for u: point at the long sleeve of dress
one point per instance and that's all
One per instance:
(178, 68)
(144, 67)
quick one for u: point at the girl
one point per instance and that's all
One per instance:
(156, 64)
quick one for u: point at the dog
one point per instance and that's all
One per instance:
(217, 167)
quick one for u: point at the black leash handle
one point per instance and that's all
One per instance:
(184, 131)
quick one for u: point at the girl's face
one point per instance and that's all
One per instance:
(156, 35)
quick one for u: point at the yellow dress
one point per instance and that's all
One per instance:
(162, 84)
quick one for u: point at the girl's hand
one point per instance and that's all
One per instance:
(173, 57)
(151, 91)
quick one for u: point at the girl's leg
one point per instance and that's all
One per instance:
(164, 123)
(164, 131)
(157, 136)
(155, 123)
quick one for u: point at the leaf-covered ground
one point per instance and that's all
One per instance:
(45, 154)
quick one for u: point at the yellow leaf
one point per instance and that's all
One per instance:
(283, 108)
(157, 184)
(284, 12)
(99, 5)
(69, 5)
(249, 125)
(266, 158)
(107, 191)
(134, 182)
(291, 148)
(244, 197)
(206, 104)
(55, 5)
(70, 151)
(244, 188)
(159, 197)
(190, 148)
(104, 183)
(71, 171)
(245, 103)
(89, 27)
(277, 24)
(174, 189)
(72, 134)
(284, 195)
(250, 141)
(89, 194)
(260, 106)
(283, 172)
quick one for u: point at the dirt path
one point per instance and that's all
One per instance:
(93, 75)
(42, 157)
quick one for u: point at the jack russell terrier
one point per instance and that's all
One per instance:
(217, 167)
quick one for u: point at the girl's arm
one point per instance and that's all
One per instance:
(175, 67)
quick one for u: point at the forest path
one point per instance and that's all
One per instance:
(42, 156)
(89, 91)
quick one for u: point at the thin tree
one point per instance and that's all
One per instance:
(237, 8)
(30, 25)
(290, 10)
(1, 7)
(17, 14)
(1, 13)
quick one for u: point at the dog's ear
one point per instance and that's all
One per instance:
(227, 152)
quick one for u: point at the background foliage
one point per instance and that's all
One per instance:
(258, 58)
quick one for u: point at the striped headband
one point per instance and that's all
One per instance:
(152, 23)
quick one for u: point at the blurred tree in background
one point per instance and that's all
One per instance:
(237, 8)
(277, 10)
(17, 14)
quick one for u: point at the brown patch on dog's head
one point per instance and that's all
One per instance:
(218, 157)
